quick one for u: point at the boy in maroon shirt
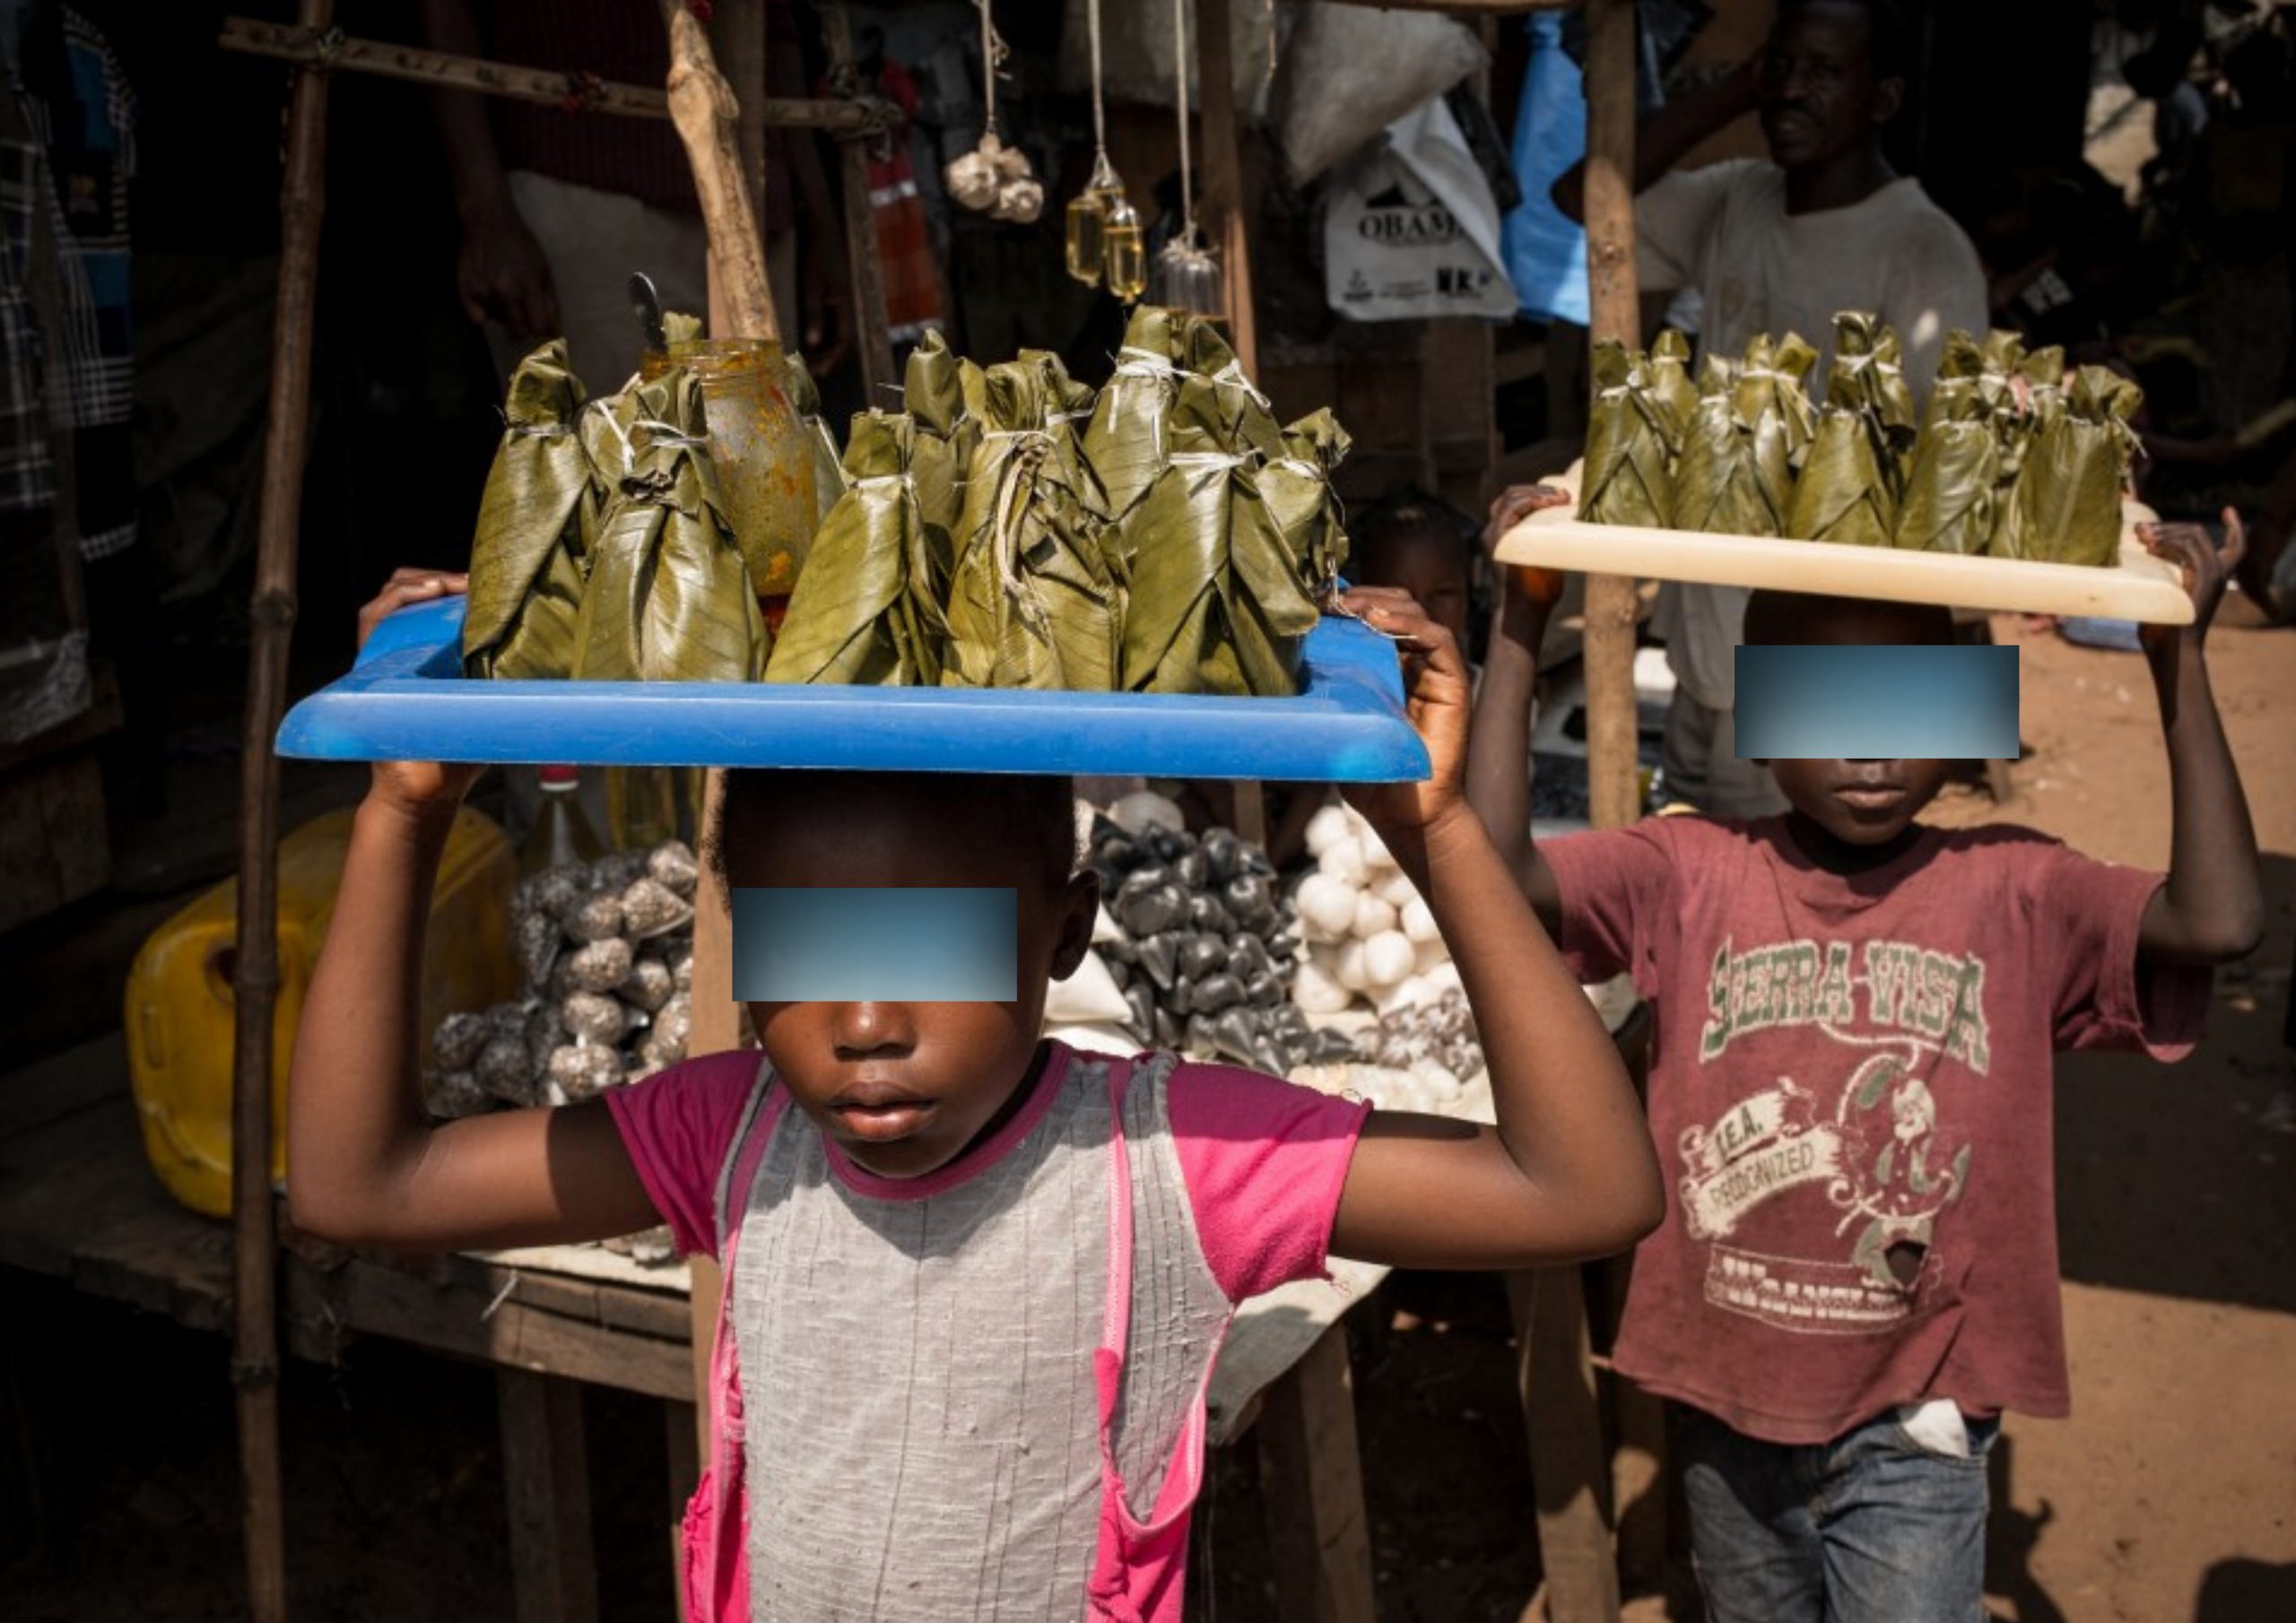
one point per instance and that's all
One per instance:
(1849, 1088)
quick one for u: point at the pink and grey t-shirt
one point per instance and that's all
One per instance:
(1845, 1067)
(922, 1369)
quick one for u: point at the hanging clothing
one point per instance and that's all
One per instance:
(81, 114)
(906, 257)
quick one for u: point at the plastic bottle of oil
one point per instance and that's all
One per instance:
(641, 807)
(561, 833)
(1126, 265)
(1087, 237)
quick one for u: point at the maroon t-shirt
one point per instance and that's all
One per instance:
(1842, 1066)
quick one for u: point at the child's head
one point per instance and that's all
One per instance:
(1862, 801)
(1424, 545)
(904, 1087)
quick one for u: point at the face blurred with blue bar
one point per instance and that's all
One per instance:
(1860, 800)
(904, 1084)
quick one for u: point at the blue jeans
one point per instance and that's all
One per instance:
(1869, 1528)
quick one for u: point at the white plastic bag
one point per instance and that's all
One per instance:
(1411, 231)
(1347, 72)
(1088, 997)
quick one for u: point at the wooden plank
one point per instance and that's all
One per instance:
(53, 845)
(419, 65)
(1312, 1485)
(546, 1472)
(2140, 587)
(462, 1317)
(1569, 1479)
(1271, 1333)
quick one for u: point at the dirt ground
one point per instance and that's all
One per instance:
(2170, 1496)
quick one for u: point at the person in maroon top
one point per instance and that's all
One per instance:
(1850, 1089)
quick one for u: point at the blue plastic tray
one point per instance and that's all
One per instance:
(407, 699)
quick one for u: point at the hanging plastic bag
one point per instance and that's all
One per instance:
(1349, 71)
(1411, 232)
(1545, 249)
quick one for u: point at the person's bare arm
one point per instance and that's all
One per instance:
(2211, 909)
(365, 1164)
(1498, 766)
(1569, 1171)
(1666, 137)
(500, 274)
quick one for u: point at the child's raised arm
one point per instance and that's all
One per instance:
(1569, 1172)
(2211, 910)
(1499, 767)
(365, 1164)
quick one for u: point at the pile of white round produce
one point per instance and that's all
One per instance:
(1371, 938)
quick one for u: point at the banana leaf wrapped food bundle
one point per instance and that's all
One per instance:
(1952, 485)
(1735, 475)
(536, 523)
(667, 597)
(1227, 549)
(1034, 598)
(1852, 477)
(2066, 506)
(867, 609)
(1632, 430)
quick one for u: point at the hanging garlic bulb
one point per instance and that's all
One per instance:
(993, 178)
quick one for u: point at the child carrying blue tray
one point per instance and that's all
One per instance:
(974, 1282)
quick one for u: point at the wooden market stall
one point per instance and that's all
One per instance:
(1289, 1373)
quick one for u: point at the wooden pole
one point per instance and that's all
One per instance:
(741, 305)
(1568, 1464)
(873, 335)
(255, 978)
(1221, 212)
(288, 42)
(1222, 204)
(707, 118)
(1612, 756)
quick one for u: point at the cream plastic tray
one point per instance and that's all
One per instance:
(2140, 587)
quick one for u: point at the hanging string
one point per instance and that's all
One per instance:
(1180, 65)
(1099, 116)
(993, 53)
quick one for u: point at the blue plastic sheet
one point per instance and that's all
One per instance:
(408, 699)
(1546, 252)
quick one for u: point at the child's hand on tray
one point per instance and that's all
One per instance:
(2206, 569)
(423, 788)
(1437, 695)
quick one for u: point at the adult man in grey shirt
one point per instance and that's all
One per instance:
(1776, 246)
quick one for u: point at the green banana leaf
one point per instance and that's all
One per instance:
(1852, 478)
(806, 395)
(1735, 474)
(1033, 601)
(2033, 395)
(1216, 604)
(868, 608)
(531, 551)
(2067, 504)
(935, 393)
(668, 598)
(1125, 443)
(1628, 477)
(1297, 491)
(1952, 485)
(1671, 387)
(1772, 380)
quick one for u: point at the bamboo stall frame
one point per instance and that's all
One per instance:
(716, 131)
(255, 980)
